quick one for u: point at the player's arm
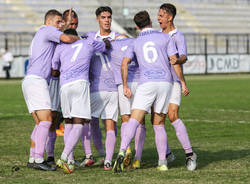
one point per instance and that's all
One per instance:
(179, 73)
(124, 71)
(182, 50)
(121, 36)
(66, 38)
(56, 62)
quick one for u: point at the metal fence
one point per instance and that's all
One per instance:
(18, 43)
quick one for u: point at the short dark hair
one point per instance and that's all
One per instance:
(52, 12)
(66, 13)
(71, 32)
(103, 9)
(142, 19)
(169, 8)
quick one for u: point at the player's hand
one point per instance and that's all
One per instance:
(127, 92)
(107, 43)
(173, 60)
(185, 90)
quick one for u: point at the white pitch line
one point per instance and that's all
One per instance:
(228, 110)
(217, 121)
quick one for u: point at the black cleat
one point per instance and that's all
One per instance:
(30, 165)
(43, 166)
(118, 166)
(51, 161)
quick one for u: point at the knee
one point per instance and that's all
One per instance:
(172, 115)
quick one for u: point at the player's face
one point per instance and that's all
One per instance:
(56, 21)
(163, 18)
(74, 23)
(104, 20)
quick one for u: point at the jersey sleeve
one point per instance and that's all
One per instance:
(53, 34)
(129, 53)
(56, 58)
(171, 47)
(181, 45)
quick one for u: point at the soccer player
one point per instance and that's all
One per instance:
(35, 84)
(154, 52)
(103, 91)
(74, 61)
(69, 20)
(166, 17)
(119, 47)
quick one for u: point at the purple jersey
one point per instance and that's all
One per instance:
(181, 47)
(41, 51)
(74, 59)
(101, 75)
(152, 49)
(116, 54)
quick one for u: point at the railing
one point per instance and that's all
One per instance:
(18, 43)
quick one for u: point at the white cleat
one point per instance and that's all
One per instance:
(191, 162)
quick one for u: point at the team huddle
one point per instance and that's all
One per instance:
(99, 75)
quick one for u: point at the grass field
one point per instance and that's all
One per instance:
(217, 116)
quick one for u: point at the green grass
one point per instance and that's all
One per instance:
(217, 117)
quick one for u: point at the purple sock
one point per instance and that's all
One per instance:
(110, 144)
(129, 133)
(160, 141)
(168, 148)
(182, 135)
(32, 137)
(139, 141)
(41, 138)
(50, 146)
(67, 129)
(96, 135)
(73, 138)
(86, 138)
(124, 124)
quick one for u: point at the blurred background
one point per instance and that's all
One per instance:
(217, 31)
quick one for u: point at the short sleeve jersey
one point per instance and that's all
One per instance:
(42, 50)
(181, 47)
(101, 75)
(73, 60)
(116, 54)
(153, 49)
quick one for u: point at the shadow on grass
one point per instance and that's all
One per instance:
(150, 157)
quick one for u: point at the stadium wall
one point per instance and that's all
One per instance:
(196, 64)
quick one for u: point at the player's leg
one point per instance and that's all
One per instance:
(182, 135)
(137, 117)
(68, 128)
(50, 145)
(160, 139)
(109, 143)
(140, 136)
(88, 159)
(31, 161)
(179, 126)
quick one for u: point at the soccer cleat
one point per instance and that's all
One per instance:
(170, 157)
(162, 167)
(67, 167)
(107, 165)
(60, 163)
(51, 161)
(127, 159)
(87, 162)
(30, 165)
(136, 164)
(43, 166)
(191, 162)
(118, 166)
(99, 161)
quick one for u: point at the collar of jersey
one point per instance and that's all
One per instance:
(173, 32)
(111, 35)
